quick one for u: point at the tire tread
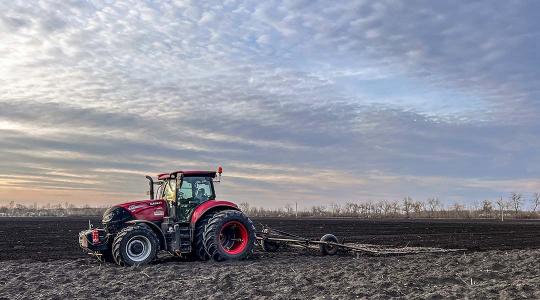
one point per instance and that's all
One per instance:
(200, 250)
(116, 247)
(213, 226)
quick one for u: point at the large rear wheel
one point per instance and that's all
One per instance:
(200, 251)
(135, 245)
(229, 235)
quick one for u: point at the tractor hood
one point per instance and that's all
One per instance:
(150, 210)
(115, 217)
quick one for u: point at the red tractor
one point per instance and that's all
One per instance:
(182, 217)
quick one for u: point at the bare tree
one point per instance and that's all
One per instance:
(418, 207)
(387, 208)
(348, 208)
(501, 205)
(475, 207)
(363, 209)
(395, 208)
(487, 207)
(370, 209)
(288, 209)
(517, 200)
(318, 210)
(244, 206)
(536, 201)
(407, 205)
(336, 209)
(433, 205)
(458, 208)
(378, 208)
(355, 209)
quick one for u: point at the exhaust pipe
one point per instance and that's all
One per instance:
(151, 183)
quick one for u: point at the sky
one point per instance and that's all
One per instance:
(306, 101)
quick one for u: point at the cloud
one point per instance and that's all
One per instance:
(299, 99)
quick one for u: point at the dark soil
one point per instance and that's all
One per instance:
(512, 274)
(56, 238)
(40, 259)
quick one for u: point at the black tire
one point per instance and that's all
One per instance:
(328, 249)
(107, 256)
(200, 251)
(229, 235)
(269, 246)
(130, 240)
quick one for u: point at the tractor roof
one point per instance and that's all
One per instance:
(164, 176)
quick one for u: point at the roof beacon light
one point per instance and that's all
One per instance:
(219, 171)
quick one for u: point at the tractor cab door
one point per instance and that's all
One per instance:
(193, 191)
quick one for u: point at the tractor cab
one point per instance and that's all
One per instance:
(184, 191)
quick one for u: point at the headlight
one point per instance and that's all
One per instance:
(109, 214)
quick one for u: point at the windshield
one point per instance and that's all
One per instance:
(198, 189)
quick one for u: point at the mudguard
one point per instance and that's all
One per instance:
(212, 205)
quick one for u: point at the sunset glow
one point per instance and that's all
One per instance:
(300, 101)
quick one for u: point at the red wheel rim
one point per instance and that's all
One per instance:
(233, 237)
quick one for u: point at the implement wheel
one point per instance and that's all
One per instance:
(327, 249)
(229, 235)
(269, 246)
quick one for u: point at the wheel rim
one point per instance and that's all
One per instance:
(138, 248)
(233, 237)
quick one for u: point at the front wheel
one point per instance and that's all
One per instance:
(135, 245)
(229, 235)
(106, 256)
(269, 246)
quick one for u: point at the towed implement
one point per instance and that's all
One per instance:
(181, 217)
(272, 240)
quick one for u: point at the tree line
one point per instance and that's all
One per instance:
(48, 210)
(510, 207)
(501, 208)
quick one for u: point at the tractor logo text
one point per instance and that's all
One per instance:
(134, 207)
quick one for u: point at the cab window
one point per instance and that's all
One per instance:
(168, 190)
(197, 189)
(186, 190)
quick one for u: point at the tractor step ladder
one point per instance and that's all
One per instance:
(184, 233)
